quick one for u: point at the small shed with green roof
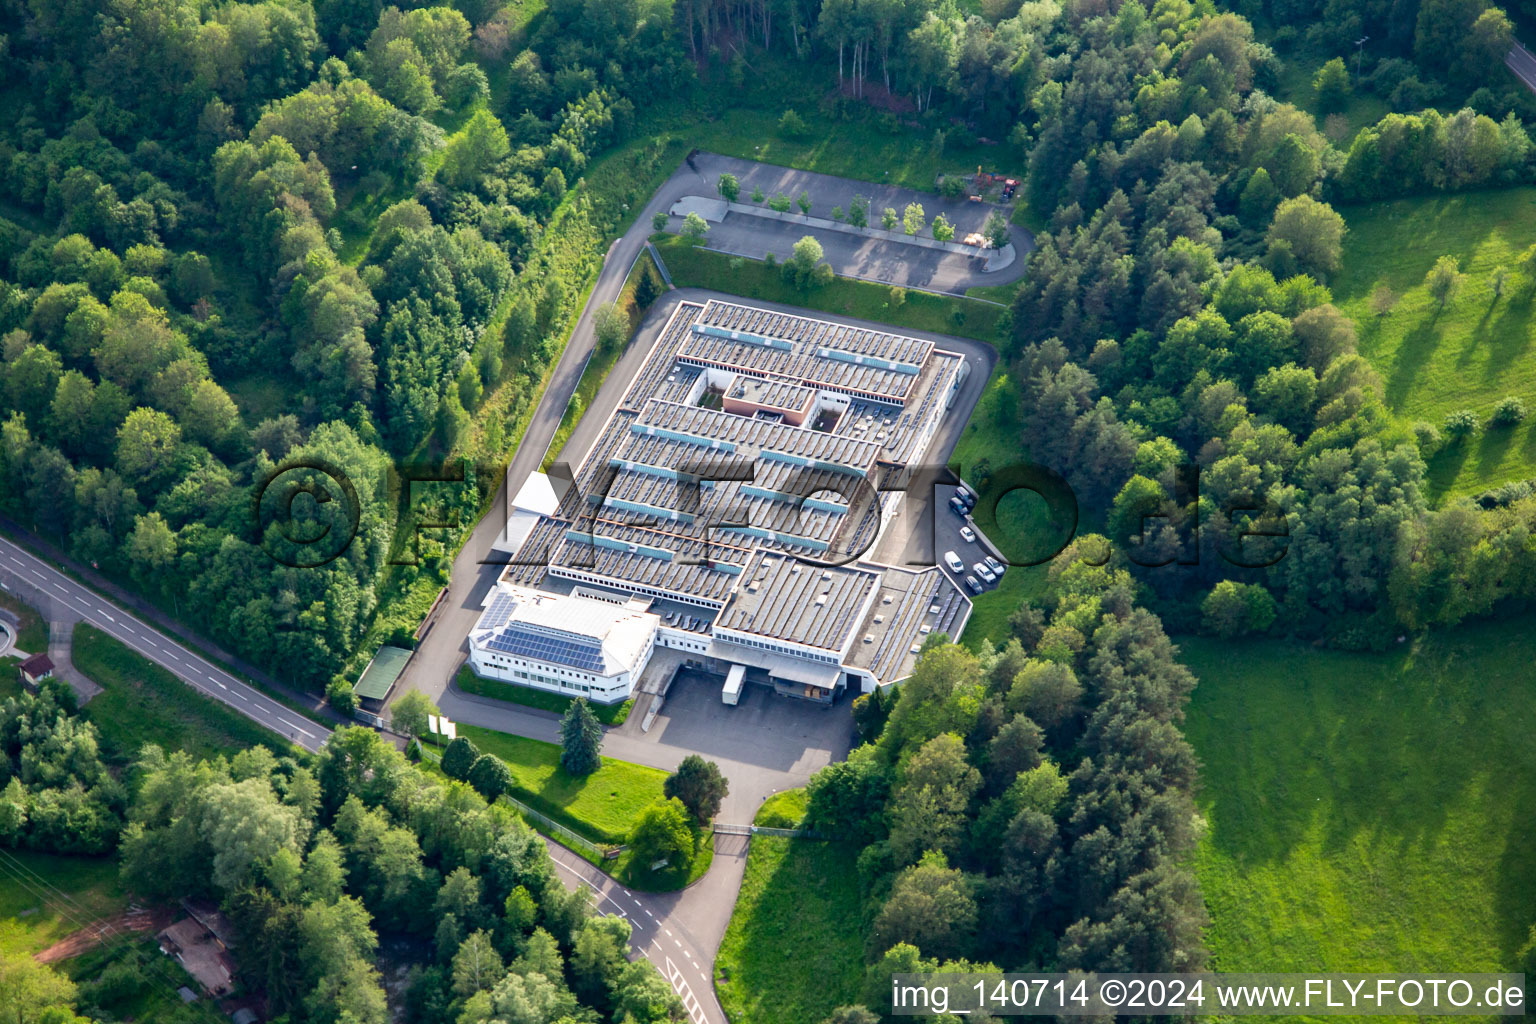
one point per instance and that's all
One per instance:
(378, 679)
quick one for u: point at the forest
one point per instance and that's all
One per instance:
(317, 863)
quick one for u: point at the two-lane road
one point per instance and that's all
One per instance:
(24, 572)
(1523, 63)
(656, 931)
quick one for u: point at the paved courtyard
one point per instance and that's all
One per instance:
(769, 731)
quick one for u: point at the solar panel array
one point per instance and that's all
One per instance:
(563, 650)
(498, 611)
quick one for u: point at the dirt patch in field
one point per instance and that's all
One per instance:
(134, 919)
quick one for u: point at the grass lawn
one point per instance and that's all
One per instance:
(608, 714)
(603, 806)
(793, 952)
(702, 268)
(782, 810)
(857, 149)
(1003, 293)
(1467, 356)
(28, 924)
(32, 631)
(1368, 812)
(143, 703)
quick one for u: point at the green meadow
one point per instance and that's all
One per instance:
(1368, 812)
(1468, 355)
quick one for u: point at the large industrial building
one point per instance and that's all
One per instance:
(722, 512)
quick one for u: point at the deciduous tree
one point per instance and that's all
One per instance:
(700, 786)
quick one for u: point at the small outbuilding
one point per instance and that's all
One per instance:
(378, 679)
(35, 669)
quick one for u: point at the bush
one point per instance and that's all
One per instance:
(1332, 85)
(459, 758)
(858, 211)
(695, 227)
(791, 124)
(1411, 94)
(1460, 424)
(490, 776)
(662, 833)
(611, 325)
(1234, 609)
(339, 695)
(1427, 437)
(659, 221)
(996, 230)
(1507, 413)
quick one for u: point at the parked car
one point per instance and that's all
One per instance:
(984, 572)
(970, 581)
(969, 534)
(958, 507)
(953, 561)
(997, 567)
(967, 498)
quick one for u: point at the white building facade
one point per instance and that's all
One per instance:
(568, 644)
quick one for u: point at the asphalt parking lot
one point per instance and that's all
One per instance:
(872, 259)
(765, 730)
(853, 255)
(946, 534)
